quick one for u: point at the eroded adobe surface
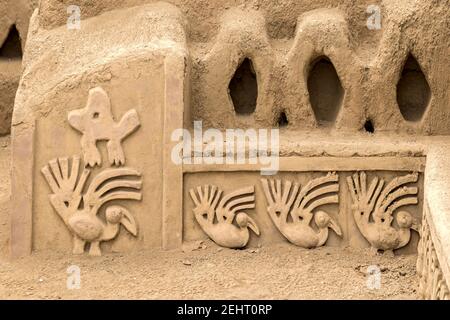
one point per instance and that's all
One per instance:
(95, 113)
(134, 81)
(14, 21)
(284, 39)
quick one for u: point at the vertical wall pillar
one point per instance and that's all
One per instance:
(22, 187)
(175, 104)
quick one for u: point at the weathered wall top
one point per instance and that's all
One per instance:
(14, 19)
(15, 12)
(309, 65)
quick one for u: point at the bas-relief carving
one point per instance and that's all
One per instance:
(374, 207)
(223, 218)
(291, 209)
(96, 122)
(80, 211)
(432, 284)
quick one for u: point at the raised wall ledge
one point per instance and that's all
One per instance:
(326, 164)
(355, 144)
(437, 196)
(433, 285)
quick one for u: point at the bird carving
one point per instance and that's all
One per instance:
(292, 209)
(224, 220)
(374, 210)
(96, 122)
(80, 211)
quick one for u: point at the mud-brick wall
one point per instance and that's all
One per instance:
(249, 68)
(310, 64)
(14, 19)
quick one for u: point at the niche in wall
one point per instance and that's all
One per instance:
(282, 120)
(325, 91)
(11, 48)
(413, 91)
(243, 88)
(368, 126)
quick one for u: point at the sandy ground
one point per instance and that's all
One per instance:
(276, 272)
(200, 270)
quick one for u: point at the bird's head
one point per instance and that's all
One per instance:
(406, 221)
(98, 109)
(244, 221)
(360, 209)
(118, 214)
(323, 220)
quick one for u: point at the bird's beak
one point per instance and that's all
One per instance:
(128, 222)
(335, 227)
(416, 225)
(75, 120)
(252, 225)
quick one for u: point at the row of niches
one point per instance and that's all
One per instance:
(318, 79)
(326, 92)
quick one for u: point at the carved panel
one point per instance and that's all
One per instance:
(223, 218)
(96, 122)
(373, 209)
(302, 207)
(432, 284)
(299, 203)
(153, 83)
(80, 211)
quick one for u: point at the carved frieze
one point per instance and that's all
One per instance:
(287, 200)
(223, 218)
(374, 209)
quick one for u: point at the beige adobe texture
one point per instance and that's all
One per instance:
(362, 114)
(283, 37)
(14, 14)
(132, 71)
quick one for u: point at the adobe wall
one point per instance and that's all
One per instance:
(131, 70)
(102, 102)
(14, 19)
(283, 39)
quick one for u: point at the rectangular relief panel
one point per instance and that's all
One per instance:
(125, 100)
(91, 144)
(361, 209)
